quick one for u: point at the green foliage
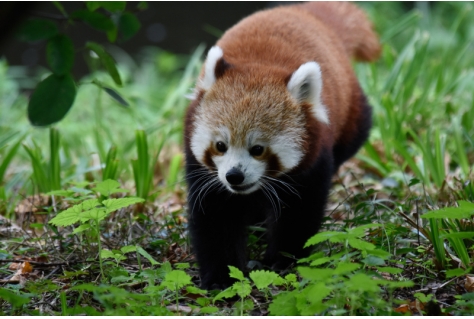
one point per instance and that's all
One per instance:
(346, 285)
(55, 95)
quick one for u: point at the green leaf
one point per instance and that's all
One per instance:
(142, 252)
(60, 54)
(16, 299)
(117, 203)
(208, 310)
(315, 274)
(51, 100)
(465, 210)
(37, 29)
(242, 288)
(94, 214)
(128, 25)
(228, 293)
(456, 272)
(176, 279)
(320, 237)
(236, 273)
(106, 60)
(262, 278)
(195, 290)
(73, 214)
(343, 268)
(360, 244)
(104, 253)
(94, 19)
(81, 228)
(128, 249)
(116, 96)
(284, 304)
(107, 187)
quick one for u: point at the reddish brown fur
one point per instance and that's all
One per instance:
(281, 40)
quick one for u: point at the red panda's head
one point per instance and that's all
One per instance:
(252, 123)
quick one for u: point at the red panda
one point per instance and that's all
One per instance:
(277, 109)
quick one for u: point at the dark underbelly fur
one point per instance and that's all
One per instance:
(218, 219)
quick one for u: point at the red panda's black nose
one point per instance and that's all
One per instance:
(235, 176)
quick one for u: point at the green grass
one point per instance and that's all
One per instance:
(414, 179)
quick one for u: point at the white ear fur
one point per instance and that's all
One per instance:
(215, 53)
(306, 85)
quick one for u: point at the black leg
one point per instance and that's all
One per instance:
(301, 216)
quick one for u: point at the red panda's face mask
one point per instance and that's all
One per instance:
(249, 127)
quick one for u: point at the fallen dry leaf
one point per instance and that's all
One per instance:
(184, 309)
(469, 285)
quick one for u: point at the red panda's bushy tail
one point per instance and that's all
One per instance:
(351, 25)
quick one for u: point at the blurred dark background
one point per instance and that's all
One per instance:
(178, 27)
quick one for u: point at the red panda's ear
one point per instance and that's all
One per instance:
(306, 85)
(214, 67)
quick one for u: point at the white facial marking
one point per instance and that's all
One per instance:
(240, 158)
(288, 150)
(306, 85)
(215, 53)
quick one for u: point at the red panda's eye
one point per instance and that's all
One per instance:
(256, 150)
(221, 147)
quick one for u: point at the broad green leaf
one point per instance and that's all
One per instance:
(360, 231)
(15, 298)
(60, 54)
(195, 290)
(93, 214)
(320, 261)
(94, 19)
(456, 272)
(117, 203)
(67, 217)
(343, 268)
(128, 25)
(362, 282)
(106, 60)
(315, 274)
(104, 253)
(228, 293)
(51, 100)
(284, 304)
(373, 261)
(176, 279)
(81, 228)
(182, 265)
(242, 288)
(320, 237)
(37, 29)
(106, 187)
(360, 244)
(262, 278)
(236, 273)
(128, 249)
(166, 266)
